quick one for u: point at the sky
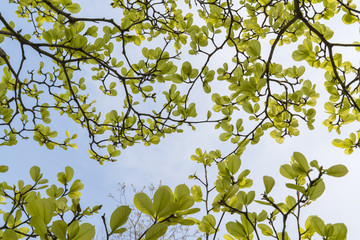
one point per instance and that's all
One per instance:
(169, 161)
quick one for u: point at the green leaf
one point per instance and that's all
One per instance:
(162, 198)
(340, 231)
(232, 191)
(339, 143)
(59, 228)
(329, 107)
(210, 220)
(300, 54)
(349, 18)
(318, 224)
(248, 107)
(182, 197)
(287, 171)
(186, 69)
(73, 8)
(181, 191)
(69, 173)
(144, 204)
(38, 223)
(86, 232)
(265, 229)
(269, 183)
(262, 202)
(148, 88)
(99, 43)
(197, 193)
(73, 229)
(254, 48)
(337, 171)
(226, 237)
(261, 216)
(189, 211)
(296, 187)
(119, 217)
(233, 163)
(207, 224)
(119, 230)
(156, 231)
(236, 229)
(4, 168)
(35, 173)
(250, 196)
(315, 164)
(279, 236)
(9, 234)
(76, 186)
(225, 136)
(317, 190)
(301, 160)
(61, 177)
(43, 208)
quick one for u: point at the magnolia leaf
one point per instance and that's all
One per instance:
(300, 158)
(185, 203)
(232, 191)
(262, 216)
(340, 231)
(189, 211)
(59, 228)
(38, 223)
(287, 171)
(228, 237)
(296, 187)
(69, 173)
(265, 229)
(247, 225)
(119, 230)
(73, 229)
(43, 208)
(248, 107)
(254, 48)
(86, 231)
(317, 190)
(262, 202)
(236, 229)
(9, 234)
(225, 136)
(4, 168)
(76, 186)
(119, 217)
(169, 210)
(209, 220)
(144, 204)
(156, 231)
(233, 163)
(35, 173)
(161, 199)
(337, 171)
(197, 193)
(250, 196)
(299, 55)
(73, 8)
(269, 183)
(338, 143)
(318, 224)
(349, 18)
(181, 191)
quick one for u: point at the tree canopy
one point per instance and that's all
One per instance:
(151, 62)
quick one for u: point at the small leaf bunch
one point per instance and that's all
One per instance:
(273, 220)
